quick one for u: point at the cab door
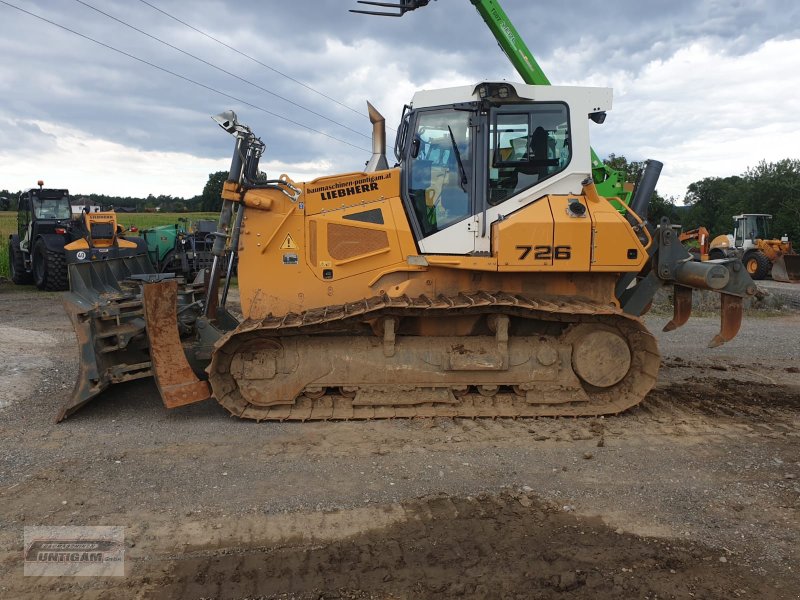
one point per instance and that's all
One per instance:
(440, 187)
(23, 215)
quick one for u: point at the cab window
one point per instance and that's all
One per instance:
(527, 145)
(439, 184)
(51, 208)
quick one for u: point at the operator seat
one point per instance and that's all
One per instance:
(538, 153)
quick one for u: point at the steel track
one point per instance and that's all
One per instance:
(345, 321)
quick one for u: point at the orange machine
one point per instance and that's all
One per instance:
(101, 239)
(762, 254)
(482, 276)
(703, 240)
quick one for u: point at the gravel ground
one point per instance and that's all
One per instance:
(706, 469)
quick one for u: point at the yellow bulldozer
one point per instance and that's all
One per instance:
(483, 276)
(499, 269)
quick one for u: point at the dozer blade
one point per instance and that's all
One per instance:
(117, 343)
(105, 308)
(682, 306)
(787, 268)
(731, 320)
(176, 380)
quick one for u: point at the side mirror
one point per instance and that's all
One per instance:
(415, 145)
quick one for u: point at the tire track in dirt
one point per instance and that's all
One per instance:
(478, 547)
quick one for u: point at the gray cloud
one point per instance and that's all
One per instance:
(57, 77)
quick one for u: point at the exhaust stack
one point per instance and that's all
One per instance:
(378, 161)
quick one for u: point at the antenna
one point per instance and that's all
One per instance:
(404, 6)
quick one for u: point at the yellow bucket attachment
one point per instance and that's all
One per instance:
(787, 268)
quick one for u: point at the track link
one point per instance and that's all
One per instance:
(253, 366)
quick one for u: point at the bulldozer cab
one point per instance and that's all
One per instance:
(471, 155)
(749, 228)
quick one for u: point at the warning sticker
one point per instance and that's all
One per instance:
(288, 243)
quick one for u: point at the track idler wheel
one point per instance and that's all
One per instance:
(600, 357)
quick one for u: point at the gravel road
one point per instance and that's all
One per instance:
(694, 494)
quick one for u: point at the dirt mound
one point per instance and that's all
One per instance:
(733, 397)
(507, 546)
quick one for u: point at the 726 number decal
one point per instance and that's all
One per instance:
(546, 252)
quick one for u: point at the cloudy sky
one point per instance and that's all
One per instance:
(709, 87)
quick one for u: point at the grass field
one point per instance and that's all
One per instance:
(8, 225)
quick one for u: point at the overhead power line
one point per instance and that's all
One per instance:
(218, 68)
(179, 76)
(247, 56)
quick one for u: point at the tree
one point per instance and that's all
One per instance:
(774, 188)
(769, 188)
(211, 198)
(714, 201)
(659, 205)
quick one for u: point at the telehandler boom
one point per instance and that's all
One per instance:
(610, 182)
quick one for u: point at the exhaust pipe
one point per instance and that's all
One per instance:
(378, 160)
(644, 190)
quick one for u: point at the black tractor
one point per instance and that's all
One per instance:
(36, 252)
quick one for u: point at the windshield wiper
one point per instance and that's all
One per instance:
(464, 181)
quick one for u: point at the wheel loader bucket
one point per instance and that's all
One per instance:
(787, 268)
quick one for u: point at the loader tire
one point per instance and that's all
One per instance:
(757, 264)
(166, 264)
(16, 264)
(49, 268)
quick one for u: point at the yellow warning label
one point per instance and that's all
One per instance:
(288, 243)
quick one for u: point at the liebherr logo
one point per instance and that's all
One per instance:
(343, 189)
(349, 191)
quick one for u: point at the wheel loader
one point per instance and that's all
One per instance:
(761, 254)
(481, 276)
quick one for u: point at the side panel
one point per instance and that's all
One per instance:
(572, 240)
(518, 242)
(544, 236)
(352, 241)
(615, 245)
(295, 256)
(272, 273)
